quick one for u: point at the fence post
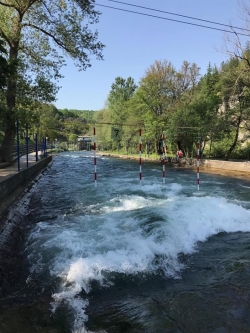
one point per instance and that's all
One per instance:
(27, 147)
(18, 145)
(36, 147)
(44, 147)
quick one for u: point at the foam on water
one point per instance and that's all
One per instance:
(120, 241)
(138, 230)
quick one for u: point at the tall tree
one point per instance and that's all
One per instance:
(38, 33)
(163, 85)
(236, 99)
(4, 73)
(121, 91)
(161, 90)
(4, 68)
(157, 87)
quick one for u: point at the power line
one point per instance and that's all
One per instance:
(178, 21)
(189, 17)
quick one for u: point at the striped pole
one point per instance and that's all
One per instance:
(140, 159)
(95, 176)
(163, 159)
(198, 166)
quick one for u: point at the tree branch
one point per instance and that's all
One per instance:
(57, 41)
(7, 5)
(46, 7)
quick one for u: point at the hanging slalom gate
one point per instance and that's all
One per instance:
(140, 151)
(198, 166)
(163, 157)
(95, 174)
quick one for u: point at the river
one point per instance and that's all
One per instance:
(125, 257)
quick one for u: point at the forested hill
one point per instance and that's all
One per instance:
(64, 124)
(88, 115)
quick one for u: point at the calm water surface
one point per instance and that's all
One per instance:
(125, 257)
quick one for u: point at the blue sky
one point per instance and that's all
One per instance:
(133, 43)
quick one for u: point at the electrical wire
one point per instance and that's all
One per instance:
(180, 15)
(172, 20)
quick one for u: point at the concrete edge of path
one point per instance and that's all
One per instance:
(13, 188)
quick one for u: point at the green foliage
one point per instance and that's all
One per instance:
(86, 115)
(73, 137)
(121, 92)
(37, 35)
(4, 67)
(209, 111)
(213, 110)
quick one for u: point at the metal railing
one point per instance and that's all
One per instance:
(25, 150)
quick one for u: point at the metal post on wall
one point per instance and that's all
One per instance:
(27, 146)
(44, 147)
(18, 145)
(36, 137)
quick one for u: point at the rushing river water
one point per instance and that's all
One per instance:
(124, 257)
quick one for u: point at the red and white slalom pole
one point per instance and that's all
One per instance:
(140, 159)
(163, 159)
(95, 175)
(198, 166)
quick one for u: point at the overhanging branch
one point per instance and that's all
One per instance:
(7, 5)
(56, 40)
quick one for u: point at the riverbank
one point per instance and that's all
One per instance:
(15, 193)
(225, 168)
(13, 185)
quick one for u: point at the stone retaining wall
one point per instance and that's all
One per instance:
(222, 165)
(10, 184)
(192, 162)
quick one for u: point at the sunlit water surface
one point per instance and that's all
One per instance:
(150, 257)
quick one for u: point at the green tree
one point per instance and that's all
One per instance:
(73, 138)
(4, 68)
(121, 91)
(206, 107)
(4, 72)
(236, 99)
(103, 135)
(38, 34)
(161, 90)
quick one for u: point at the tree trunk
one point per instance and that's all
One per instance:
(9, 121)
(228, 153)
(8, 140)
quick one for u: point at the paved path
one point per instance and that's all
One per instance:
(10, 170)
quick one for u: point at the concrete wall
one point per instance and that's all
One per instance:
(227, 165)
(192, 162)
(10, 184)
(223, 165)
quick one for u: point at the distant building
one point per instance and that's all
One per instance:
(84, 142)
